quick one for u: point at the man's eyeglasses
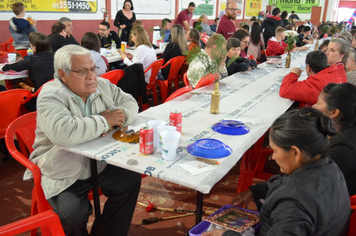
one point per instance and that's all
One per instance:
(102, 29)
(86, 71)
(233, 9)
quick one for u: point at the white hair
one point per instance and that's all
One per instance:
(63, 57)
(64, 19)
(352, 54)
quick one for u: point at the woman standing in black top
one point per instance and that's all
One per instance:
(124, 19)
(338, 101)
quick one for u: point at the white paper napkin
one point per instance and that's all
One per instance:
(196, 167)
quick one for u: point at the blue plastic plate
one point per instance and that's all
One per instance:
(230, 127)
(209, 148)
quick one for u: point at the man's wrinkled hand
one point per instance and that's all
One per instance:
(115, 117)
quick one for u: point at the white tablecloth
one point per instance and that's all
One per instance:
(13, 75)
(117, 57)
(251, 97)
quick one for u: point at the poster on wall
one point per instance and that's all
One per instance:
(201, 7)
(299, 6)
(64, 6)
(240, 5)
(253, 7)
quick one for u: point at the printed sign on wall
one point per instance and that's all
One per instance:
(70, 6)
(299, 6)
(253, 7)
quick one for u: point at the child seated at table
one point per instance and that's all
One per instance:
(275, 45)
(319, 73)
(20, 28)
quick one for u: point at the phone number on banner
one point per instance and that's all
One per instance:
(75, 6)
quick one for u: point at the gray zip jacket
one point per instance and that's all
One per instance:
(61, 121)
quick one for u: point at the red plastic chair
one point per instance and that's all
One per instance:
(179, 92)
(106, 63)
(34, 95)
(10, 106)
(7, 46)
(352, 228)
(114, 76)
(165, 86)
(252, 164)
(185, 79)
(23, 53)
(48, 219)
(3, 57)
(24, 128)
(206, 80)
(154, 67)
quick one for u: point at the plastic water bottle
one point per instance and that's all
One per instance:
(29, 52)
(113, 45)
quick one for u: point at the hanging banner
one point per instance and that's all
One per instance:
(70, 6)
(253, 7)
(299, 6)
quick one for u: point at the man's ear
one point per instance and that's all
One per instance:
(62, 75)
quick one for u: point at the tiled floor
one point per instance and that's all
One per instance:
(15, 200)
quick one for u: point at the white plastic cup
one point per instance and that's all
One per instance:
(170, 141)
(160, 130)
(11, 57)
(154, 124)
(103, 51)
(162, 46)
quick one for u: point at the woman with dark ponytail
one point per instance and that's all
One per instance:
(338, 101)
(311, 197)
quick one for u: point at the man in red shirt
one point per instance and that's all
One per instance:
(184, 17)
(319, 75)
(226, 25)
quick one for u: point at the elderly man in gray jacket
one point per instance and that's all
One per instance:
(75, 108)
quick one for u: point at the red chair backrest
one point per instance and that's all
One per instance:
(23, 53)
(352, 228)
(206, 80)
(179, 92)
(34, 95)
(185, 79)
(7, 46)
(10, 104)
(106, 62)
(154, 67)
(3, 57)
(47, 219)
(24, 128)
(176, 63)
(114, 76)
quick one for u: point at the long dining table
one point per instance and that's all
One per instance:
(250, 97)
